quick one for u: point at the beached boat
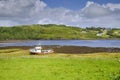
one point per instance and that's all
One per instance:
(39, 50)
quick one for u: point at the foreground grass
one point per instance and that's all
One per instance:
(19, 65)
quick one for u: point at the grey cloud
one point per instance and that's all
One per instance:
(95, 10)
(113, 6)
(20, 9)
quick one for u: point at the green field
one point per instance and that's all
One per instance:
(17, 64)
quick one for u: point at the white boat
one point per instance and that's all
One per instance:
(39, 50)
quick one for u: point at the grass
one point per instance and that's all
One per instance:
(19, 65)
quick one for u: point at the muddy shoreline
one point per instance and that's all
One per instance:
(71, 49)
(9, 41)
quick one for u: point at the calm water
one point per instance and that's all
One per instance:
(89, 43)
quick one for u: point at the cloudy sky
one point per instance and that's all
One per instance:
(81, 13)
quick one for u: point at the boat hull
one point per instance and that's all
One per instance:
(34, 53)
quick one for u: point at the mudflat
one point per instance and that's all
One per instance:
(71, 49)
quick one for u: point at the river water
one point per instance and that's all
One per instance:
(89, 43)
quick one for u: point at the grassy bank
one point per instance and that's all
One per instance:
(51, 31)
(19, 65)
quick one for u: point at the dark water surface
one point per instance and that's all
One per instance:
(88, 43)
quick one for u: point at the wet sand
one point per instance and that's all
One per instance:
(71, 49)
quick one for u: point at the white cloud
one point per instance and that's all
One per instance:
(58, 16)
(14, 12)
(89, 3)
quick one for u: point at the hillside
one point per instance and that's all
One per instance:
(52, 31)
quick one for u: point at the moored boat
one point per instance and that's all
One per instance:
(39, 50)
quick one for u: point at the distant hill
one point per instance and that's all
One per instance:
(52, 31)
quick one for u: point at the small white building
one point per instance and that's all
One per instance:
(84, 32)
(99, 34)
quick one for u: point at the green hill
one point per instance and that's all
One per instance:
(52, 31)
